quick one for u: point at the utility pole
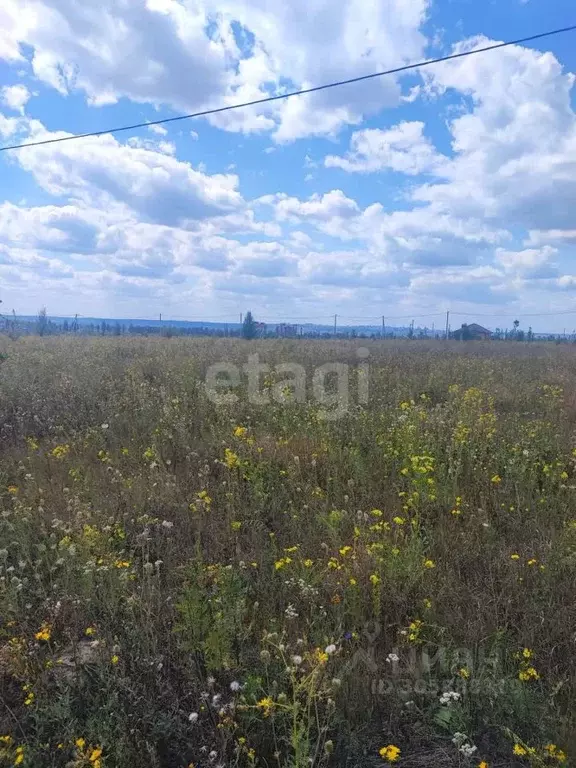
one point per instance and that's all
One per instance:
(383, 327)
(335, 324)
(240, 318)
(447, 322)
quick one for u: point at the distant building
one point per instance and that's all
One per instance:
(286, 331)
(472, 332)
(260, 329)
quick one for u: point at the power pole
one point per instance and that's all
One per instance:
(447, 322)
(335, 324)
(383, 327)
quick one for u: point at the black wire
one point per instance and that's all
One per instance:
(302, 92)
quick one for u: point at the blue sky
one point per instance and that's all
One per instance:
(452, 187)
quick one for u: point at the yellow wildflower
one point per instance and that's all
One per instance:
(240, 432)
(95, 755)
(528, 674)
(13, 490)
(115, 659)
(231, 459)
(464, 673)
(266, 705)
(44, 634)
(80, 743)
(515, 556)
(483, 764)
(519, 750)
(90, 631)
(19, 756)
(496, 479)
(390, 753)
(308, 563)
(429, 564)
(60, 451)
(398, 520)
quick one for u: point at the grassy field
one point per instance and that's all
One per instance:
(282, 579)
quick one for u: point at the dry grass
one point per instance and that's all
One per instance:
(156, 549)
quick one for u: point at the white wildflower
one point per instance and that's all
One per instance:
(449, 696)
(193, 717)
(468, 749)
(330, 649)
(167, 524)
(235, 686)
(296, 660)
(392, 658)
(291, 612)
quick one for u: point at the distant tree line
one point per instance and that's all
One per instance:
(43, 325)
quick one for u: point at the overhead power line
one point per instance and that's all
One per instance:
(301, 92)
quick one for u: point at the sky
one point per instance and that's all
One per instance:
(451, 187)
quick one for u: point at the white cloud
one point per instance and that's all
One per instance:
(402, 148)
(155, 184)
(515, 151)
(531, 263)
(15, 97)
(133, 223)
(482, 285)
(8, 126)
(538, 237)
(190, 55)
(333, 204)
(159, 130)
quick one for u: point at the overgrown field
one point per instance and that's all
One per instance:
(192, 583)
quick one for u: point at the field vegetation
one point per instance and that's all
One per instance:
(192, 583)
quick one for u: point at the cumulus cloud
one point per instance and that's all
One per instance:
(15, 97)
(189, 55)
(531, 263)
(486, 222)
(333, 204)
(515, 151)
(402, 148)
(156, 185)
